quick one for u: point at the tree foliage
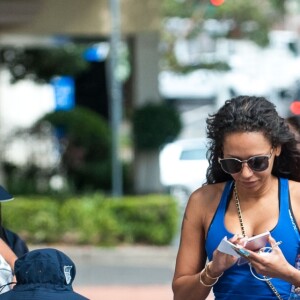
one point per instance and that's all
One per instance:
(154, 125)
(251, 19)
(42, 64)
(242, 19)
(85, 143)
(263, 13)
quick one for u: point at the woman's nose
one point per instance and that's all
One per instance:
(246, 170)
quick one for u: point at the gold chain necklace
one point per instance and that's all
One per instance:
(237, 204)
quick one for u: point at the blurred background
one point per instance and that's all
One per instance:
(102, 120)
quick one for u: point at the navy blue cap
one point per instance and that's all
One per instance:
(44, 274)
(4, 195)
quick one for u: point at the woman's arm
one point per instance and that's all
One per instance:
(191, 258)
(7, 254)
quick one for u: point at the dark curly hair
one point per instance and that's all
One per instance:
(294, 121)
(251, 114)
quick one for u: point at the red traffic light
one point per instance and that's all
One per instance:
(295, 107)
(217, 2)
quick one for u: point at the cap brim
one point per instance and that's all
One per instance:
(41, 294)
(4, 195)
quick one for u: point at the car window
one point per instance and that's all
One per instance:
(193, 154)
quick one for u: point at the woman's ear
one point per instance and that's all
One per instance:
(277, 150)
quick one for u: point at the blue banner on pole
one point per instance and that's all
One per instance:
(64, 91)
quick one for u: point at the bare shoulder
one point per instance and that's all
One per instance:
(294, 189)
(204, 201)
(207, 194)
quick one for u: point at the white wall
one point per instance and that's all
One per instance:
(21, 104)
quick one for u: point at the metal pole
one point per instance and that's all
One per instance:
(116, 98)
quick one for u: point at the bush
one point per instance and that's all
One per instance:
(154, 125)
(94, 219)
(85, 140)
(150, 221)
(35, 220)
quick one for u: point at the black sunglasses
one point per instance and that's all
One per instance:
(257, 163)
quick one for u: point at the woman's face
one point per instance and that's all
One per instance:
(243, 145)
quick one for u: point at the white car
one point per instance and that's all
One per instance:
(183, 166)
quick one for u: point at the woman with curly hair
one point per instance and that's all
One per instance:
(253, 187)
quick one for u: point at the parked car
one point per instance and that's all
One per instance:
(183, 166)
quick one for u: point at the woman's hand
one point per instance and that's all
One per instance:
(269, 264)
(221, 261)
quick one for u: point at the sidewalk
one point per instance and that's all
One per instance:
(126, 272)
(128, 293)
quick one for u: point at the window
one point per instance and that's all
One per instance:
(193, 154)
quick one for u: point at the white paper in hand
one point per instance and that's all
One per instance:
(253, 243)
(227, 247)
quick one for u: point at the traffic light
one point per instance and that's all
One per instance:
(295, 107)
(217, 2)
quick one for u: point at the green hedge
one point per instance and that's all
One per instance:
(155, 124)
(94, 219)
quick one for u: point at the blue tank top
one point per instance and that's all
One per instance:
(237, 283)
